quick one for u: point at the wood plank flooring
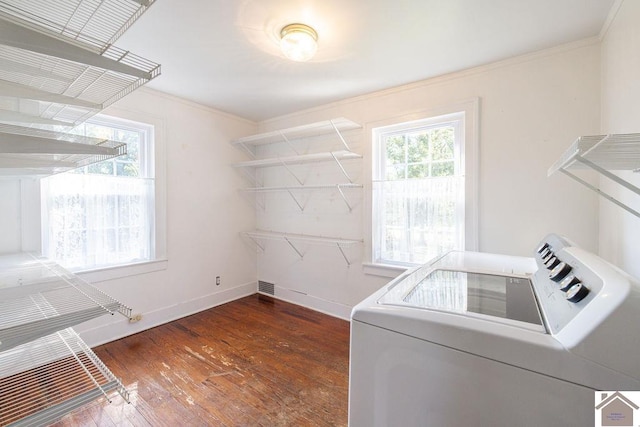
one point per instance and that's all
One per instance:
(252, 362)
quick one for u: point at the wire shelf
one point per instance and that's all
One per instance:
(94, 23)
(302, 187)
(54, 88)
(38, 297)
(291, 238)
(313, 129)
(42, 152)
(611, 152)
(43, 380)
(303, 158)
(274, 235)
(604, 154)
(294, 188)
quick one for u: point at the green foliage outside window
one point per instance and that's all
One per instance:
(127, 165)
(424, 154)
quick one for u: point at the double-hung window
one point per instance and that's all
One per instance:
(103, 215)
(418, 189)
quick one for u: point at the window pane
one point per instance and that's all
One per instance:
(395, 149)
(104, 215)
(442, 143)
(418, 147)
(442, 169)
(127, 169)
(395, 172)
(418, 171)
(129, 164)
(97, 131)
(102, 168)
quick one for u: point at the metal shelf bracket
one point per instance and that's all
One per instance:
(344, 197)
(344, 172)
(294, 247)
(289, 238)
(343, 254)
(291, 171)
(340, 135)
(296, 200)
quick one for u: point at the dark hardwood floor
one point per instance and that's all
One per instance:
(252, 362)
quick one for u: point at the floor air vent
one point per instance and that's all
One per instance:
(266, 288)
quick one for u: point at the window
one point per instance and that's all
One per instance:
(418, 189)
(103, 214)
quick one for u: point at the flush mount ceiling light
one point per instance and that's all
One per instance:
(298, 42)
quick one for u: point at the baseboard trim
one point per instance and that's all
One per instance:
(120, 327)
(330, 308)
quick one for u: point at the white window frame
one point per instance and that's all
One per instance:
(469, 158)
(158, 260)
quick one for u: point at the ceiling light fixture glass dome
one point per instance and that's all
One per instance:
(298, 42)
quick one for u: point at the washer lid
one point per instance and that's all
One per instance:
(492, 296)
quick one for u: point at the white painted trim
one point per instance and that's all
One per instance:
(556, 50)
(383, 270)
(120, 271)
(472, 178)
(120, 327)
(331, 308)
(611, 17)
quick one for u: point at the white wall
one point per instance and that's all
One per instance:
(19, 214)
(10, 220)
(531, 109)
(620, 230)
(205, 214)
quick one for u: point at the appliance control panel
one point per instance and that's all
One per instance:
(564, 283)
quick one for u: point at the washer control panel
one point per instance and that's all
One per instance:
(563, 284)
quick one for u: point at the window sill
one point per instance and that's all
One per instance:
(120, 271)
(384, 270)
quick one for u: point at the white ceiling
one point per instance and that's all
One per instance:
(224, 53)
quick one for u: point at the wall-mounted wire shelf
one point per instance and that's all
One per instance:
(312, 130)
(35, 151)
(326, 127)
(291, 189)
(38, 297)
(302, 187)
(303, 158)
(335, 156)
(95, 24)
(45, 78)
(603, 154)
(43, 380)
(291, 238)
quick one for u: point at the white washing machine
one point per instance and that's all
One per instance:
(476, 339)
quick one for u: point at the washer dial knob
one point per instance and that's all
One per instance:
(551, 263)
(577, 292)
(560, 272)
(543, 247)
(568, 282)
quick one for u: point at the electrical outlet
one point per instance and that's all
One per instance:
(135, 318)
(217, 280)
